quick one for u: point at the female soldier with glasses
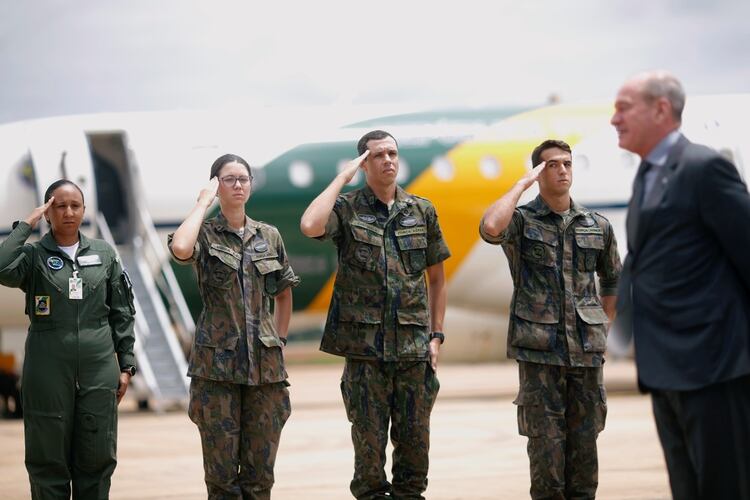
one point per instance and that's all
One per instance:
(238, 395)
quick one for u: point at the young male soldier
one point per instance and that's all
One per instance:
(558, 321)
(381, 317)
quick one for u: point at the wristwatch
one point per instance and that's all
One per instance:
(438, 335)
(128, 369)
(283, 340)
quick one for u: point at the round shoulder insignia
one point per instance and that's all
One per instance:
(55, 263)
(587, 221)
(409, 221)
(368, 218)
(260, 246)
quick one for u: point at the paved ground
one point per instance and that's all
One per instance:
(476, 451)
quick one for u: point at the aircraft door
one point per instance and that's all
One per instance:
(113, 183)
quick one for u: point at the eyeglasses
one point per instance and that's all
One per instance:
(231, 180)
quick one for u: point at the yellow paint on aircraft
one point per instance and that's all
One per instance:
(462, 189)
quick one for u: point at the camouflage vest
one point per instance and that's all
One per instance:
(379, 308)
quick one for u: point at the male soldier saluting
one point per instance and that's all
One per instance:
(381, 317)
(558, 323)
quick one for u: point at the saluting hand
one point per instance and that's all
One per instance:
(208, 194)
(352, 166)
(530, 178)
(38, 212)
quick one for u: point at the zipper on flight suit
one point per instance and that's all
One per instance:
(78, 323)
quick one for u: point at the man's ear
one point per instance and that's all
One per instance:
(664, 108)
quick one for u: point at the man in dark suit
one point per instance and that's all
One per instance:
(685, 292)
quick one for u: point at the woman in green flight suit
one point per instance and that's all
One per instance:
(79, 350)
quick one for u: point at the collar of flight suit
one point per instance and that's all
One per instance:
(49, 243)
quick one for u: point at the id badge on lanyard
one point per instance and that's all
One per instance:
(75, 287)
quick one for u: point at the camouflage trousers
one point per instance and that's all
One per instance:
(401, 394)
(561, 410)
(240, 426)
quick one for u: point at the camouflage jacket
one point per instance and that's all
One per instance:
(556, 313)
(380, 308)
(43, 271)
(235, 337)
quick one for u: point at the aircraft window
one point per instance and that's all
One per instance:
(300, 174)
(403, 170)
(442, 168)
(489, 166)
(357, 177)
(581, 162)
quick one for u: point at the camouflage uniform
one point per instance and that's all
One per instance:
(558, 334)
(379, 320)
(238, 395)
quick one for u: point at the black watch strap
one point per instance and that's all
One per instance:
(438, 335)
(129, 369)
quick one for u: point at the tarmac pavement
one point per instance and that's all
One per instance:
(476, 451)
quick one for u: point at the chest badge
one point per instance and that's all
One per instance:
(368, 218)
(41, 305)
(363, 253)
(537, 251)
(260, 246)
(409, 221)
(55, 263)
(587, 221)
(89, 260)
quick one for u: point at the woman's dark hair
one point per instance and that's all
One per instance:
(228, 158)
(57, 184)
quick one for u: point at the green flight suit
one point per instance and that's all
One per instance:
(75, 350)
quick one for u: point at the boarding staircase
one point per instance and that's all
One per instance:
(162, 321)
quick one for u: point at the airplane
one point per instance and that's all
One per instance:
(141, 174)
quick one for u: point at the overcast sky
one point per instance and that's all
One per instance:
(61, 57)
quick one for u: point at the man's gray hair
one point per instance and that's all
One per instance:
(659, 84)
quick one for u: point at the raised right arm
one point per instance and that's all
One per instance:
(14, 262)
(497, 217)
(183, 241)
(313, 221)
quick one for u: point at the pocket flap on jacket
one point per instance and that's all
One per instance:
(540, 233)
(593, 315)
(354, 314)
(420, 318)
(268, 265)
(537, 312)
(595, 241)
(367, 234)
(226, 255)
(412, 242)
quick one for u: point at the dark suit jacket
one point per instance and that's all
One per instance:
(686, 279)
